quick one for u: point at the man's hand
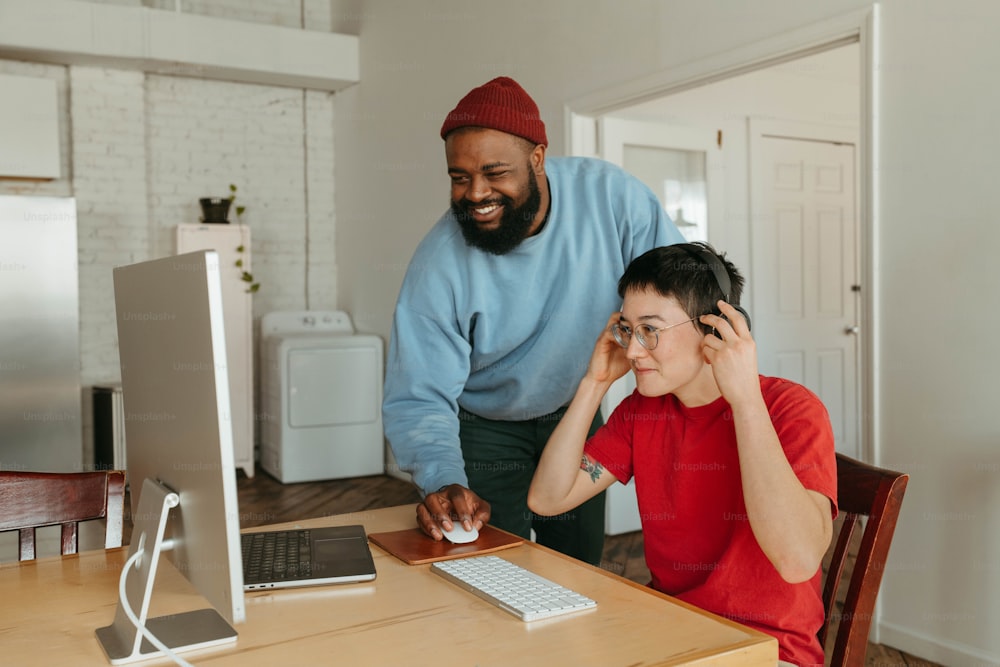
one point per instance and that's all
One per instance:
(449, 504)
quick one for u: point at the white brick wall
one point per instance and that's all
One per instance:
(138, 151)
(321, 281)
(108, 148)
(204, 135)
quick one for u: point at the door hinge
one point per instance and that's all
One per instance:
(718, 138)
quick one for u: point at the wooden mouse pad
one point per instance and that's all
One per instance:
(414, 548)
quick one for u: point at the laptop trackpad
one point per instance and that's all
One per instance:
(341, 552)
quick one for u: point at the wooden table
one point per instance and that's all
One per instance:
(407, 616)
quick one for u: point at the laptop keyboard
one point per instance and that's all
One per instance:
(511, 587)
(276, 556)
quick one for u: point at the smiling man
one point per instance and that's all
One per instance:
(483, 192)
(501, 301)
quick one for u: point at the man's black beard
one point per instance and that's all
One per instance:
(514, 223)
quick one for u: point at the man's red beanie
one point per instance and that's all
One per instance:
(500, 104)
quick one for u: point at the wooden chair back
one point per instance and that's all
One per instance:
(874, 494)
(30, 500)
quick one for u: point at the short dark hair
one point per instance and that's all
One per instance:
(683, 271)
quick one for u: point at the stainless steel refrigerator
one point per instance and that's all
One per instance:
(40, 398)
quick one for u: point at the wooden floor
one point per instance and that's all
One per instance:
(264, 500)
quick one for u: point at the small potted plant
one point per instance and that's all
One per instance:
(215, 209)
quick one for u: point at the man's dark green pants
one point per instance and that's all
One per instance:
(500, 460)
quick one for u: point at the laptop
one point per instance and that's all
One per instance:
(306, 557)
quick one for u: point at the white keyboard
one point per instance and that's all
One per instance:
(511, 587)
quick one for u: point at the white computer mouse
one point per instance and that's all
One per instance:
(458, 534)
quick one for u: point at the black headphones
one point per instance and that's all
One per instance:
(704, 254)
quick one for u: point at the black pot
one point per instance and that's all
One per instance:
(215, 209)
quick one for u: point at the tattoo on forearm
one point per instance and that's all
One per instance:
(592, 468)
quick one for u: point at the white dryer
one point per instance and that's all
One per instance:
(321, 397)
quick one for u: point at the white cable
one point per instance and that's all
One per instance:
(141, 627)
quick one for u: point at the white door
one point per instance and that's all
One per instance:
(683, 167)
(804, 285)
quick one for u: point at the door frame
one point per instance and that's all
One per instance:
(861, 27)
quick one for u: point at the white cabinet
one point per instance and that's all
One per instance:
(237, 307)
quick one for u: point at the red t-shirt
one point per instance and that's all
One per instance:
(698, 542)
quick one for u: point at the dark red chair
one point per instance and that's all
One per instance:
(875, 495)
(30, 500)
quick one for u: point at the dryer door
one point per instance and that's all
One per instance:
(332, 386)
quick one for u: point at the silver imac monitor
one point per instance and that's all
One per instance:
(179, 454)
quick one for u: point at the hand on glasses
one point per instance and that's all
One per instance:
(608, 361)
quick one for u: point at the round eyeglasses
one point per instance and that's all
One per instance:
(648, 336)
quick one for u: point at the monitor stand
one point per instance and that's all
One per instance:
(122, 641)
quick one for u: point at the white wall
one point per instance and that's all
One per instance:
(935, 360)
(938, 362)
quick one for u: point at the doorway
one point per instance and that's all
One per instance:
(825, 88)
(778, 172)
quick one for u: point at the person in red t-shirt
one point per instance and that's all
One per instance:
(735, 472)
